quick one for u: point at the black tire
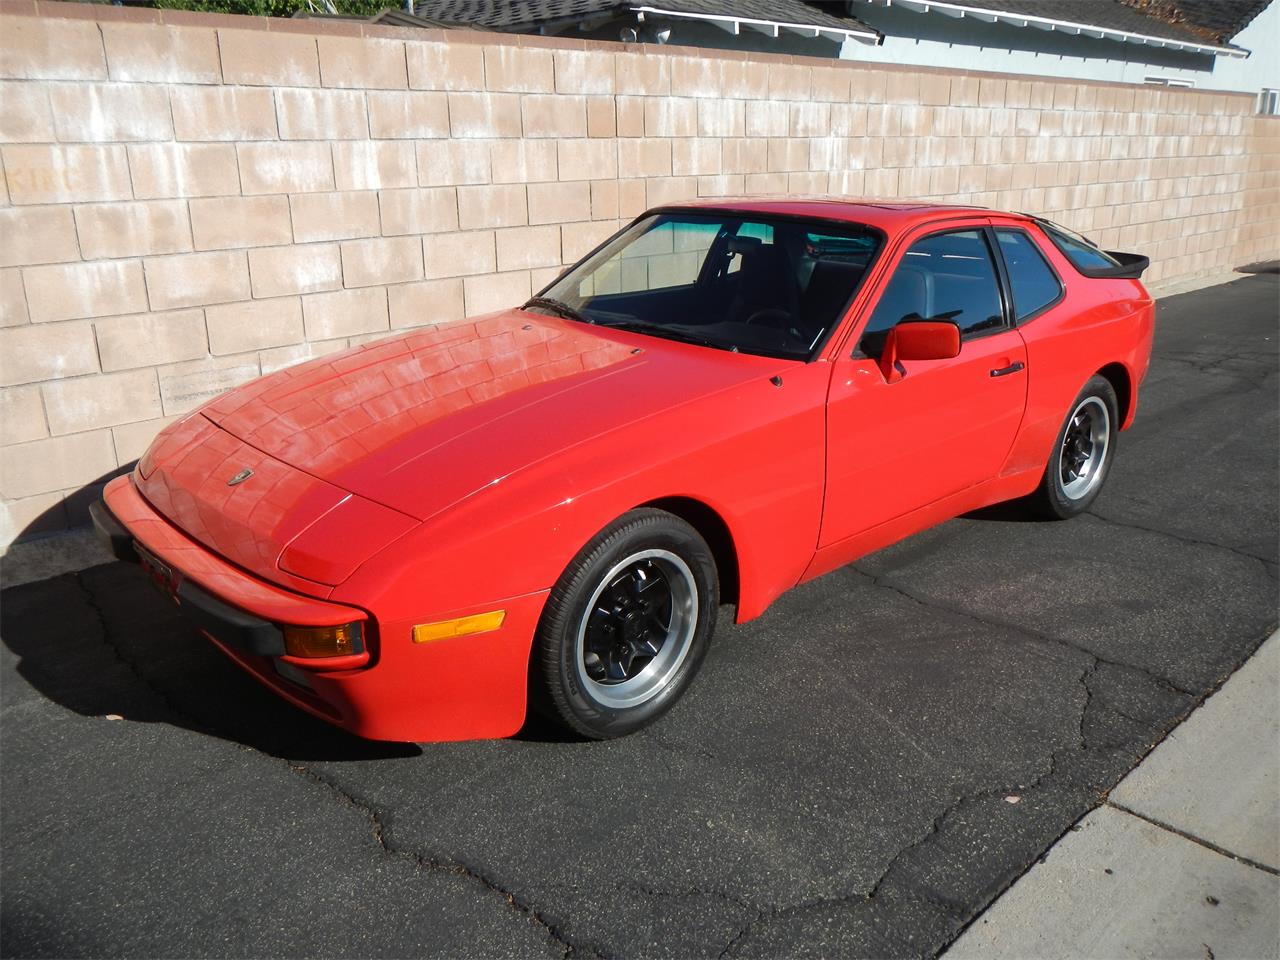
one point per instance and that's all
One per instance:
(1071, 484)
(642, 551)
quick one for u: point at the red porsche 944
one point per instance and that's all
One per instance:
(414, 538)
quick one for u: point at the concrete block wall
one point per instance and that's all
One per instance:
(191, 200)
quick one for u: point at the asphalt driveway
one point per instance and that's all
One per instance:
(858, 772)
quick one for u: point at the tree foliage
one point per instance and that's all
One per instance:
(281, 8)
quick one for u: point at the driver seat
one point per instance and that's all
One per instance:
(765, 281)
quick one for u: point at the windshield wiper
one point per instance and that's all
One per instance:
(667, 333)
(556, 306)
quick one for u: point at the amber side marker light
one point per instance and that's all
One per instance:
(462, 627)
(316, 642)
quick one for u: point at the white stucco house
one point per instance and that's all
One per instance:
(1210, 44)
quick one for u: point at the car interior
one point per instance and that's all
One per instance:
(774, 287)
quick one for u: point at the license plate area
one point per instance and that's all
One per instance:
(158, 572)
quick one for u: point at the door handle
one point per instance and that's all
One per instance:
(1011, 368)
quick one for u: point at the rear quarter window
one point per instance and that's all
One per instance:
(1079, 250)
(1032, 281)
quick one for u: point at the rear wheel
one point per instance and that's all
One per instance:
(627, 625)
(1082, 454)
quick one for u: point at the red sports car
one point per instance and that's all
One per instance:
(415, 538)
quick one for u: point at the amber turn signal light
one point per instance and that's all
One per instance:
(462, 627)
(314, 642)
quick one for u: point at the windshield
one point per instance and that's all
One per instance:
(765, 285)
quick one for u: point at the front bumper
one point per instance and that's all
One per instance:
(467, 688)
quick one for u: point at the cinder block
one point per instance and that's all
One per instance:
(35, 352)
(602, 118)
(284, 167)
(13, 299)
(458, 254)
(484, 115)
(65, 174)
(744, 80)
(346, 313)
(110, 112)
(422, 210)
(184, 386)
(576, 239)
(443, 163)
(446, 66)
(223, 113)
(559, 202)
(132, 439)
(183, 170)
(670, 117)
(51, 48)
(644, 158)
(300, 268)
(766, 118)
(500, 205)
(363, 63)
(151, 339)
(408, 115)
(71, 291)
(334, 216)
(381, 260)
(261, 59)
(22, 413)
(28, 516)
(831, 84)
(225, 222)
(518, 69)
(278, 358)
(587, 159)
(56, 463)
(30, 235)
(322, 114)
(133, 229)
(789, 81)
(642, 74)
(499, 291)
(27, 117)
(583, 71)
(254, 325)
(374, 164)
(629, 116)
(156, 53)
(196, 279)
(696, 77)
(521, 248)
(426, 302)
(604, 199)
(721, 118)
(91, 403)
(554, 115)
(522, 161)
(695, 155)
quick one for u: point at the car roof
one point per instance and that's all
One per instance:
(883, 213)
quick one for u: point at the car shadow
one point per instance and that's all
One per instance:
(105, 644)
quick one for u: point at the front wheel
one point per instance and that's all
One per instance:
(1082, 454)
(628, 623)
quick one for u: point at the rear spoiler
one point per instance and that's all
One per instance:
(1129, 266)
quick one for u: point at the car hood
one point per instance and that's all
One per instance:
(422, 421)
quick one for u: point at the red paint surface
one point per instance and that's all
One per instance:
(458, 469)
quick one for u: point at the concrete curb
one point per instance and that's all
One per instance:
(1182, 860)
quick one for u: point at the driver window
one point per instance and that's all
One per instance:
(669, 255)
(947, 276)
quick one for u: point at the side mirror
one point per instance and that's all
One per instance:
(918, 340)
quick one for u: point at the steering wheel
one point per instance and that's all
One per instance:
(772, 316)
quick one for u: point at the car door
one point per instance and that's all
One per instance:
(944, 425)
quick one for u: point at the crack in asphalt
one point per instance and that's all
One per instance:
(1269, 566)
(1043, 638)
(422, 861)
(568, 948)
